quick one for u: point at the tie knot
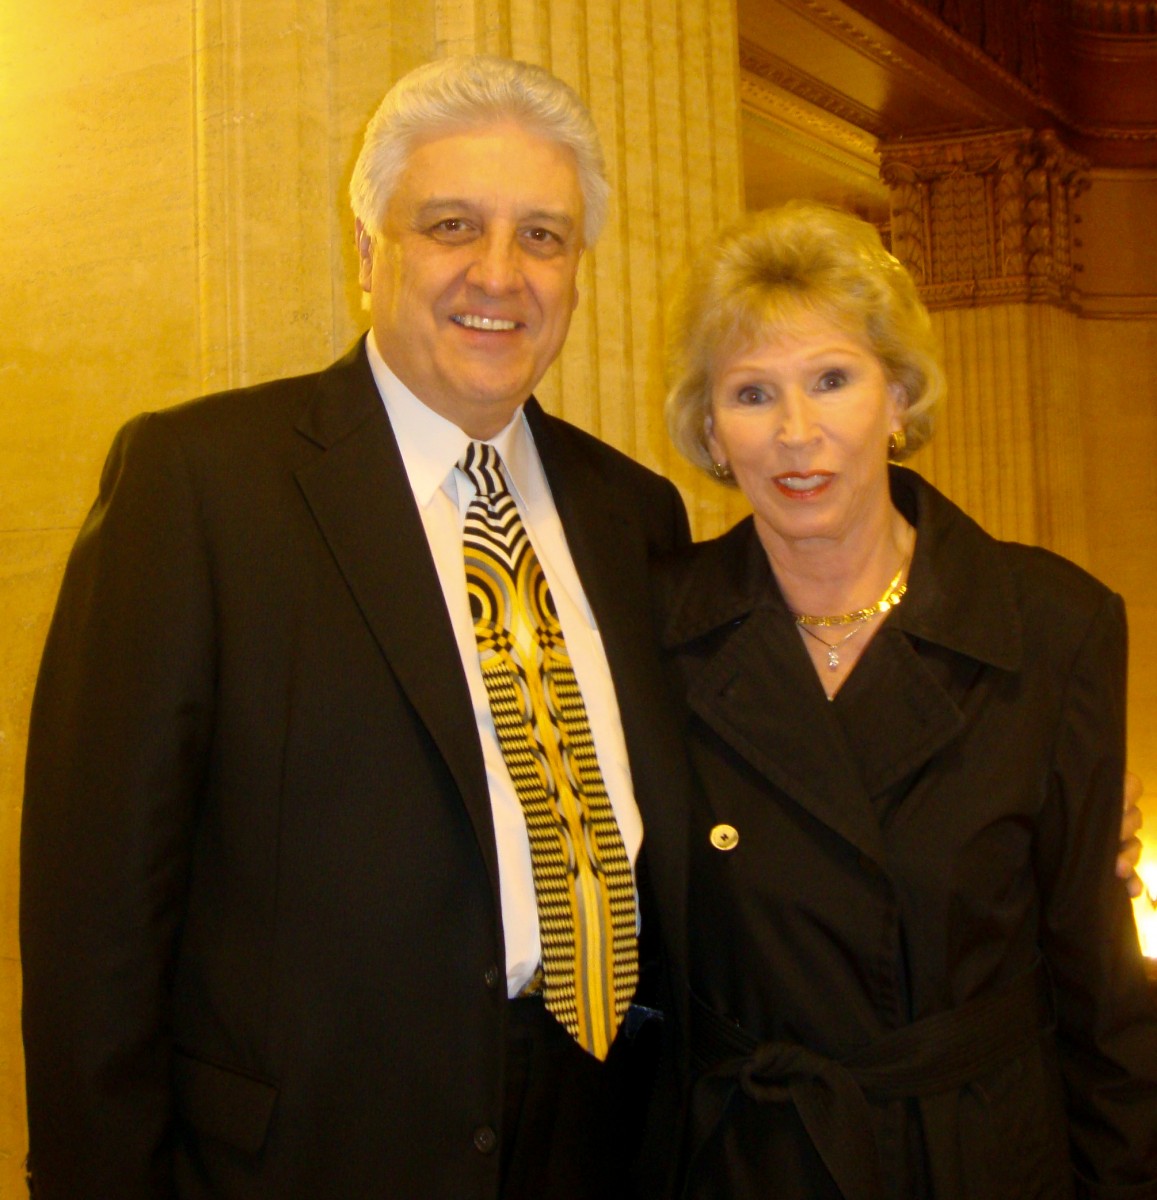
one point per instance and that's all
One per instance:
(482, 465)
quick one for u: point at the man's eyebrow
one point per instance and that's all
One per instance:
(436, 205)
(558, 215)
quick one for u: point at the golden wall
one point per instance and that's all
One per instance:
(1117, 384)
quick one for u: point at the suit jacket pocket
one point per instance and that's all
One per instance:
(222, 1103)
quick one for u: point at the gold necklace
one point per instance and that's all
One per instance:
(892, 596)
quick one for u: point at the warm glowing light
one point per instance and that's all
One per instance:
(1145, 906)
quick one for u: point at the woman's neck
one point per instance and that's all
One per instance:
(832, 576)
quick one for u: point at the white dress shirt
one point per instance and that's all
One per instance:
(431, 447)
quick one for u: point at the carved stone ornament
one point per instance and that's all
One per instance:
(1115, 16)
(986, 219)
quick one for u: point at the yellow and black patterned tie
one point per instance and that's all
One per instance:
(582, 878)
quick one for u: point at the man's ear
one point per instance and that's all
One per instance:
(365, 244)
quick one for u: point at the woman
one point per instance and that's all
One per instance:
(913, 971)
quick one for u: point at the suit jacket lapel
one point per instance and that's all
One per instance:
(360, 497)
(612, 558)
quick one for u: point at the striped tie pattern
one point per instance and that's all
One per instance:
(582, 877)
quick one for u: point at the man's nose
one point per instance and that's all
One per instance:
(496, 267)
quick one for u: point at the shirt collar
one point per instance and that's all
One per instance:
(431, 445)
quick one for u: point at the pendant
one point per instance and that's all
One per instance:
(833, 659)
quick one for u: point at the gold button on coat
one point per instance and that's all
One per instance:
(724, 837)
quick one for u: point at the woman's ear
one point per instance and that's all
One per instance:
(709, 436)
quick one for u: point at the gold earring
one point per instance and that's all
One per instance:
(721, 471)
(896, 444)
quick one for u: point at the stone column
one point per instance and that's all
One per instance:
(985, 224)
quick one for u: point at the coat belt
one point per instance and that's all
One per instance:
(938, 1054)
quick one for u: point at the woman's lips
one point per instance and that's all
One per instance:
(801, 485)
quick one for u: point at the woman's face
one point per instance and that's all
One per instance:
(803, 421)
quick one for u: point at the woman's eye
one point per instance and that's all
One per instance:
(751, 395)
(829, 381)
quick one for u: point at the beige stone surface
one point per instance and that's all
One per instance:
(30, 565)
(1008, 447)
(12, 1138)
(1118, 366)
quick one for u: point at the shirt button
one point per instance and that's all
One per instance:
(492, 978)
(485, 1140)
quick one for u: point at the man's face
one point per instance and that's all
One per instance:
(472, 284)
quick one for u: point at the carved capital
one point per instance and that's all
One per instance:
(986, 219)
(1115, 16)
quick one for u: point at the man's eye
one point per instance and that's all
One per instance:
(450, 225)
(544, 238)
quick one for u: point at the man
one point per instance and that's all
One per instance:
(280, 914)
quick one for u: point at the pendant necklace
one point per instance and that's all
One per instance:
(859, 617)
(833, 648)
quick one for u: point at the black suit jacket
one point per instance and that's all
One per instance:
(260, 922)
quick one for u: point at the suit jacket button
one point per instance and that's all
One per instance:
(485, 1140)
(492, 978)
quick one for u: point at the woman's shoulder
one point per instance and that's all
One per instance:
(1045, 585)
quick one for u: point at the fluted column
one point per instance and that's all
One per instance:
(985, 225)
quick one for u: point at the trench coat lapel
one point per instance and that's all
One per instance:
(961, 599)
(360, 497)
(758, 690)
(605, 540)
(900, 711)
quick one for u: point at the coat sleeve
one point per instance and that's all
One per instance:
(1106, 1015)
(118, 747)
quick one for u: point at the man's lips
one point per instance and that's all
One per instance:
(801, 485)
(489, 324)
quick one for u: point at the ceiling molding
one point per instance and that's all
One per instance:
(783, 104)
(1125, 17)
(758, 66)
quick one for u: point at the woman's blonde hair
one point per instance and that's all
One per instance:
(758, 278)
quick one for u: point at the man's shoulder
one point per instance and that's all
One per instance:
(236, 437)
(280, 398)
(554, 436)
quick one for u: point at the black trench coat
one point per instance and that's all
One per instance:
(944, 827)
